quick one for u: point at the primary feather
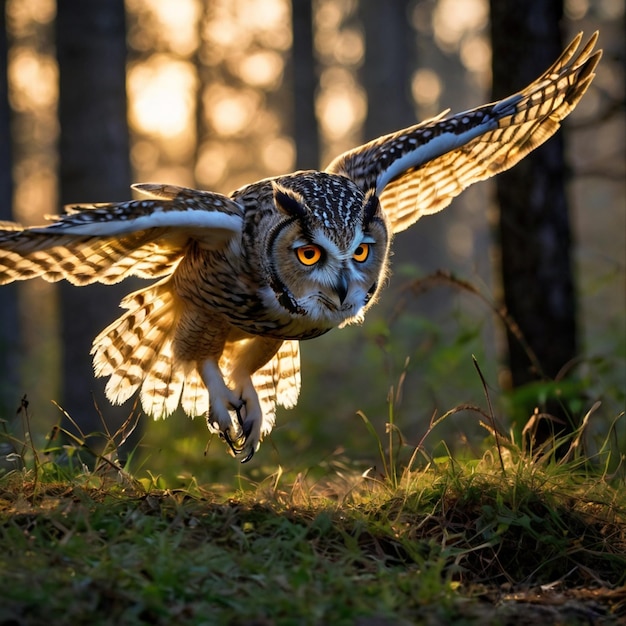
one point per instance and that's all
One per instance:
(421, 169)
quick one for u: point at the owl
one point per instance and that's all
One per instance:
(241, 279)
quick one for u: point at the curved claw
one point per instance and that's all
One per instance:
(238, 450)
(226, 437)
(242, 442)
(246, 429)
(237, 410)
(248, 456)
(235, 446)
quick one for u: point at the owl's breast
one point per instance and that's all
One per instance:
(227, 284)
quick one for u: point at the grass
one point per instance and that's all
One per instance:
(511, 535)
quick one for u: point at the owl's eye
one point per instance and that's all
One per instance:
(309, 254)
(361, 253)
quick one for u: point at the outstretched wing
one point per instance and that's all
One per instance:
(420, 170)
(107, 242)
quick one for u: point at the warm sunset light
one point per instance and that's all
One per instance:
(34, 79)
(426, 87)
(261, 68)
(230, 111)
(161, 95)
(453, 19)
(176, 21)
(341, 109)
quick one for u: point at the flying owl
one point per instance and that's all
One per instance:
(243, 278)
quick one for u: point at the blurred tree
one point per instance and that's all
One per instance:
(390, 60)
(9, 334)
(304, 81)
(94, 165)
(534, 228)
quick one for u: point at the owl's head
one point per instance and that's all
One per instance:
(328, 253)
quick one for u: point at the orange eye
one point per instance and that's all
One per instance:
(361, 253)
(309, 254)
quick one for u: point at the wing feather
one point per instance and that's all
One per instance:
(419, 170)
(108, 242)
(278, 383)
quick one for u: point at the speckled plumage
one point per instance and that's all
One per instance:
(244, 278)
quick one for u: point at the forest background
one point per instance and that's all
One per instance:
(218, 94)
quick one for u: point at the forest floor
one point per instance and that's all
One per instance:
(510, 538)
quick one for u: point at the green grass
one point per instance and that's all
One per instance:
(420, 540)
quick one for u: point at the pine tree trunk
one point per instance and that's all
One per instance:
(534, 228)
(390, 59)
(9, 331)
(304, 81)
(94, 166)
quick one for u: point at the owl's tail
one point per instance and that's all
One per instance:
(278, 383)
(136, 351)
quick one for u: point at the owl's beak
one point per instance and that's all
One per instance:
(341, 286)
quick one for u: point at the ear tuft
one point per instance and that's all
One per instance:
(287, 201)
(370, 206)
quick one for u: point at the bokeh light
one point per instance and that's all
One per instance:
(162, 96)
(230, 111)
(33, 78)
(453, 19)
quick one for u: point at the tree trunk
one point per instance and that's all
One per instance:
(9, 331)
(94, 166)
(304, 80)
(390, 59)
(534, 227)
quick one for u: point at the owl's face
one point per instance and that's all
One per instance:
(328, 255)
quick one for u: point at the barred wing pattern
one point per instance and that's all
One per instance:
(278, 382)
(419, 170)
(105, 243)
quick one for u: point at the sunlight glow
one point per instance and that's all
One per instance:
(426, 87)
(279, 155)
(230, 111)
(341, 109)
(328, 15)
(224, 35)
(576, 9)
(34, 79)
(211, 165)
(476, 53)
(452, 19)
(175, 20)
(237, 25)
(161, 94)
(144, 155)
(38, 180)
(612, 9)
(22, 15)
(341, 102)
(266, 15)
(349, 49)
(262, 68)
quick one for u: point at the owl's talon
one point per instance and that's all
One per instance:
(246, 448)
(246, 428)
(242, 444)
(231, 444)
(248, 456)
(236, 434)
(237, 410)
